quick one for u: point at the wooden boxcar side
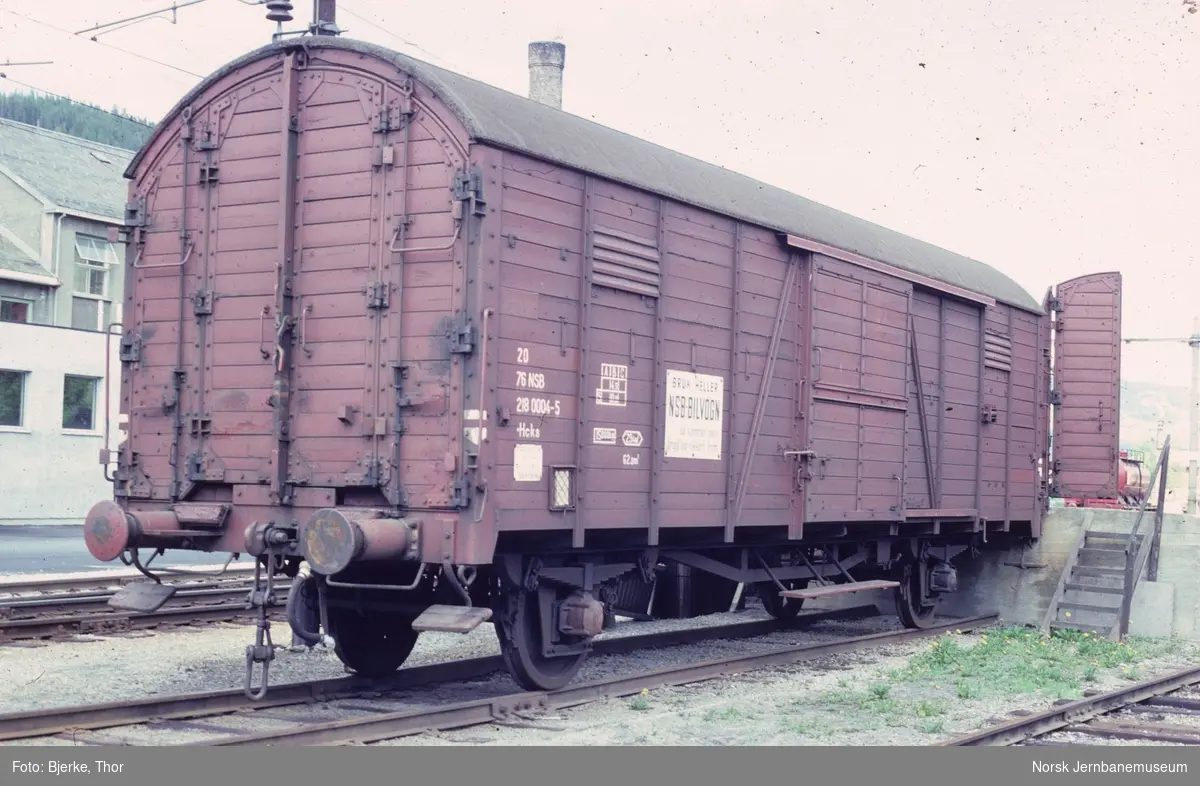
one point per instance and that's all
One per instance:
(613, 303)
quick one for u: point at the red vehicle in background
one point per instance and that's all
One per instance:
(1133, 484)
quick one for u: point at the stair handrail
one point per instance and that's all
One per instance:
(1135, 563)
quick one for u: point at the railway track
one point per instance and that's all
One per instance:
(1140, 712)
(32, 609)
(355, 711)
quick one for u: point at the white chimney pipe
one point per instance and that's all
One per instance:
(546, 61)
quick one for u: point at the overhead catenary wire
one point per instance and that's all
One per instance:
(102, 43)
(79, 103)
(343, 9)
(130, 20)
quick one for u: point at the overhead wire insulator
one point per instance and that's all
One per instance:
(279, 11)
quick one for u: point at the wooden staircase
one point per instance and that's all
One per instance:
(1092, 588)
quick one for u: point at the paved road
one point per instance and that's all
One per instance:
(60, 549)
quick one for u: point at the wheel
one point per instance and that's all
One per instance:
(777, 607)
(372, 646)
(913, 614)
(518, 627)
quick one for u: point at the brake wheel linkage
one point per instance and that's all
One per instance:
(263, 649)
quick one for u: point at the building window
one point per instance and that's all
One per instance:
(94, 257)
(87, 313)
(14, 310)
(12, 398)
(79, 403)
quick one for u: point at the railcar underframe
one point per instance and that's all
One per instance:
(434, 382)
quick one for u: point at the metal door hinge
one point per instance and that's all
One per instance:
(202, 302)
(208, 174)
(1054, 304)
(135, 213)
(377, 295)
(469, 186)
(460, 493)
(462, 335)
(131, 348)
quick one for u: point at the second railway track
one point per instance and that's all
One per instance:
(31, 609)
(356, 711)
(1164, 710)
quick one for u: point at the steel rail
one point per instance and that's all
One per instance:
(67, 602)
(471, 713)
(56, 720)
(45, 627)
(106, 579)
(1077, 712)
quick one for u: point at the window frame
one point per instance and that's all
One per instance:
(22, 426)
(19, 301)
(93, 429)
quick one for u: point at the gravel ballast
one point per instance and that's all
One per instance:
(877, 696)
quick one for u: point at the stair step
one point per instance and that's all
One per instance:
(1088, 607)
(1071, 585)
(1116, 536)
(1109, 547)
(1088, 551)
(1096, 571)
(1081, 626)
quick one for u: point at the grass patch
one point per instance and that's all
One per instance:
(1016, 660)
(1004, 661)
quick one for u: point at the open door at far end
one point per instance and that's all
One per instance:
(1085, 387)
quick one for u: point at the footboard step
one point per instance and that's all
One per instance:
(452, 619)
(838, 589)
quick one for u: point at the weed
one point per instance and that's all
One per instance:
(641, 702)
(880, 690)
(726, 714)
(933, 726)
(1015, 660)
(927, 708)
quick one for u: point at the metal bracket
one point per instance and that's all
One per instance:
(200, 426)
(459, 493)
(208, 173)
(1055, 398)
(462, 335)
(202, 302)
(988, 414)
(195, 467)
(377, 295)
(469, 186)
(135, 213)
(131, 348)
(1055, 304)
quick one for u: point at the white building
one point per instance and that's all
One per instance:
(60, 290)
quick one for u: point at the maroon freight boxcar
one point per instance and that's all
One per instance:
(471, 358)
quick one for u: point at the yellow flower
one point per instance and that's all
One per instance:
(1067, 613)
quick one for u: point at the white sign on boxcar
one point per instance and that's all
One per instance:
(527, 463)
(694, 416)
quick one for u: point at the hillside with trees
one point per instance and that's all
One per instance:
(115, 128)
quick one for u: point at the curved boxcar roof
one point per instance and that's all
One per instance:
(507, 120)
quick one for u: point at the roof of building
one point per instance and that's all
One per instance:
(498, 117)
(72, 173)
(14, 259)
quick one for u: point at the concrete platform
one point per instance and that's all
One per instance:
(1167, 607)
